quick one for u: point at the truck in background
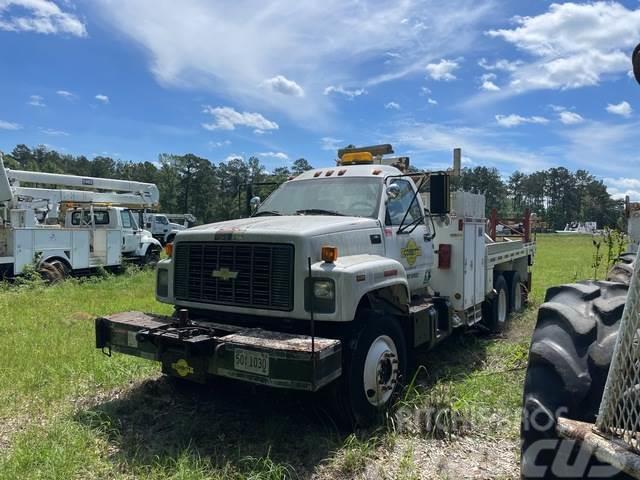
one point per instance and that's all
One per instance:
(332, 283)
(161, 226)
(77, 230)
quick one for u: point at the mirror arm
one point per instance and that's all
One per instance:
(402, 228)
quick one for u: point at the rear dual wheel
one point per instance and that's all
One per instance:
(509, 298)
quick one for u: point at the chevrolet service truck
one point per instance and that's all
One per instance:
(332, 284)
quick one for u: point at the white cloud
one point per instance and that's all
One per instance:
(622, 186)
(65, 94)
(489, 86)
(425, 91)
(330, 143)
(573, 45)
(54, 133)
(484, 146)
(392, 106)
(283, 85)
(570, 118)
(4, 125)
(227, 118)
(213, 144)
(39, 16)
(514, 120)
(278, 155)
(623, 109)
(487, 82)
(36, 101)
(443, 70)
(431, 101)
(502, 64)
(102, 98)
(603, 147)
(334, 42)
(233, 156)
(350, 94)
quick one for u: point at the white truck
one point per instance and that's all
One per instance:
(161, 226)
(71, 230)
(331, 285)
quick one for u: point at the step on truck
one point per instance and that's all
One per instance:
(62, 230)
(332, 284)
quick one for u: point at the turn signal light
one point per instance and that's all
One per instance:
(329, 254)
(168, 248)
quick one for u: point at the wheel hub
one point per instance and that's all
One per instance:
(380, 371)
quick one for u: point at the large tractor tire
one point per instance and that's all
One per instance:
(623, 269)
(569, 360)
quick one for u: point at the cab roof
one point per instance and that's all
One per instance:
(370, 170)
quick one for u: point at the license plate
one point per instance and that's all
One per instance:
(252, 362)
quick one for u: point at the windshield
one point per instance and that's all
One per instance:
(162, 220)
(353, 197)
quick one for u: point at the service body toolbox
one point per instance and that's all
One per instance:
(195, 350)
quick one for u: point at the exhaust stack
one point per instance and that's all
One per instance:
(457, 162)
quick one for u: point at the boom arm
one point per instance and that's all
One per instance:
(113, 191)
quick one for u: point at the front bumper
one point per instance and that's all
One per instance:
(196, 350)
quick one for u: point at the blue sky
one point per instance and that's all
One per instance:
(517, 85)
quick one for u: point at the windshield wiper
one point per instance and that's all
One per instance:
(318, 211)
(266, 212)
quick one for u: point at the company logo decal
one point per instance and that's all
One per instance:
(182, 368)
(411, 252)
(224, 274)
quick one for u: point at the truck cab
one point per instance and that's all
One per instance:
(114, 228)
(161, 228)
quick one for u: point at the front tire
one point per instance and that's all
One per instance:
(373, 372)
(569, 360)
(152, 256)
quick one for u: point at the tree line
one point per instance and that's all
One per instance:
(192, 184)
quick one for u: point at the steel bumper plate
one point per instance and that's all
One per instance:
(204, 348)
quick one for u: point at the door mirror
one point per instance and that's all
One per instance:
(439, 194)
(254, 203)
(393, 191)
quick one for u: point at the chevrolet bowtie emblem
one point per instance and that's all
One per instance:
(224, 274)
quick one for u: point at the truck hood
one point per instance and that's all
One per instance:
(294, 225)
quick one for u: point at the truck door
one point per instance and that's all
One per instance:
(412, 249)
(130, 236)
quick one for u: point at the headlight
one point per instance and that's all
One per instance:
(324, 289)
(162, 283)
(320, 294)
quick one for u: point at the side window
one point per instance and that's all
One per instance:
(126, 218)
(397, 207)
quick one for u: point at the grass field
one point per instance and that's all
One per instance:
(67, 411)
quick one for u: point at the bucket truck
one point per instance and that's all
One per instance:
(63, 231)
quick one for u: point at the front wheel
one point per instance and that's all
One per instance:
(152, 257)
(373, 371)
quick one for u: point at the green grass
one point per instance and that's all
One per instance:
(67, 411)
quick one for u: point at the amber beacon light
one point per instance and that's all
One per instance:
(329, 253)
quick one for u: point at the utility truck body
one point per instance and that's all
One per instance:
(336, 278)
(61, 231)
